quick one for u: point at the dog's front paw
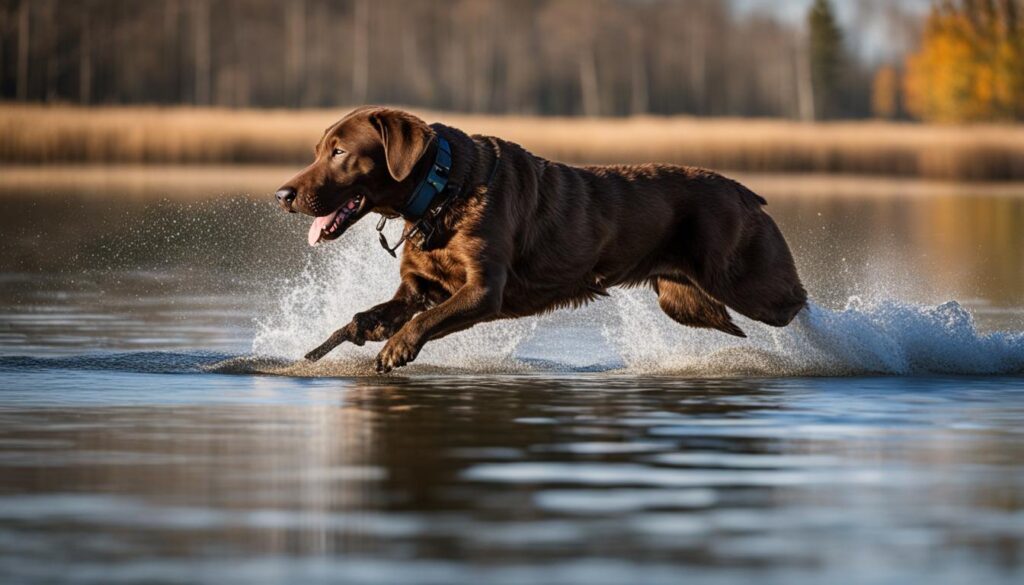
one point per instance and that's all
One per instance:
(347, 333)
(397, 352)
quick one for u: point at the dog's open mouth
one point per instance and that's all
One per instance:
(330, 226)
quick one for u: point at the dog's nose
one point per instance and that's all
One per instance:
(285, 197)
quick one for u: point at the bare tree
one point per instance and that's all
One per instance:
(592, 57)
(201, 40)
(295, 46)
(805, 87)
(24, 45)
(85, 58)
(570, 29)
(361, 51)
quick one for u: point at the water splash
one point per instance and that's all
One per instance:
(351, 275)
(628, 334)
(883, 337)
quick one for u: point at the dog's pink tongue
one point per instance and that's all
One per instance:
(319, 224)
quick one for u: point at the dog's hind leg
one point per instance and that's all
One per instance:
(689, 305)
(759, 280)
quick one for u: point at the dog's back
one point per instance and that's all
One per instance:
(577, 231)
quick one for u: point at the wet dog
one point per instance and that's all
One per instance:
(494, 232)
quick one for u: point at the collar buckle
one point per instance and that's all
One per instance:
(421, 232)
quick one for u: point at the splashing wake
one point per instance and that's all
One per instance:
(627, 334)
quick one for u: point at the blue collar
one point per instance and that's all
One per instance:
(433, 185)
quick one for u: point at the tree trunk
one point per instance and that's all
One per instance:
(805, 87)
(50, 39)
(639, 100)
(589, 88)
(171, 54)
(295, 45)
(459, 98)
(481, 67)
(361, 52)
(699, 70)
(85, 60)
(24, 24)
(3, 70)
(422, 90)
(319, 31)
(201, 32)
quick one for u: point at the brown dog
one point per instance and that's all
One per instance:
(511, 234)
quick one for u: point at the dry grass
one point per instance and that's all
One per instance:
(41, 135)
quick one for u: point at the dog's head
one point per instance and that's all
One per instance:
(363, 163)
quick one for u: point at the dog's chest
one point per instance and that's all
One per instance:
(441, 268)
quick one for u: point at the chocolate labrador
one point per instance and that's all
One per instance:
(494, 232)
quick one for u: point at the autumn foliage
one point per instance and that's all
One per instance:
(885, 94)
(971, 63)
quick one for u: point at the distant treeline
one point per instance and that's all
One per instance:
(564, 57)
(961, 62)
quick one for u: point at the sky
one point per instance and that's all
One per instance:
(876, 43)
(797, 9)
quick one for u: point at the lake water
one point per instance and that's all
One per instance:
(156, 425)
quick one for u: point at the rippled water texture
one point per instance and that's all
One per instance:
(156, 426)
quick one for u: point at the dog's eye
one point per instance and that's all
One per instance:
(337, 152)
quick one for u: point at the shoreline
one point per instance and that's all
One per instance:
(38, 134)
(201, 181)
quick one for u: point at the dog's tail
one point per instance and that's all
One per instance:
(748, 196)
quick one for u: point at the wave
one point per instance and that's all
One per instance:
(881, 338)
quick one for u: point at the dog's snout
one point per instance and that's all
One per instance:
(285, 197)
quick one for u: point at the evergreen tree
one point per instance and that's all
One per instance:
(826, 58)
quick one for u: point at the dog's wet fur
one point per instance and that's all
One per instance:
(544, 235)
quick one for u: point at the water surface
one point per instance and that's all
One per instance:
(156, 427)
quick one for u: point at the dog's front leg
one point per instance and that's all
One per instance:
(478, 300)
(376, 324)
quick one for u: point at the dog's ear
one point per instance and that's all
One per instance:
(405, 138)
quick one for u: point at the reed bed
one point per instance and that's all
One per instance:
(33, 134)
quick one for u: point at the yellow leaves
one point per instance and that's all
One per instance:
(967, 69)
